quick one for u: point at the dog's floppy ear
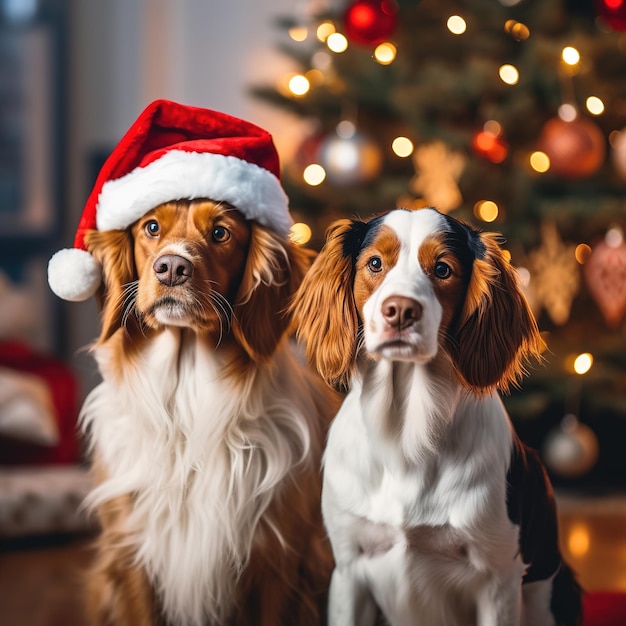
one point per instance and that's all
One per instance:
(497, 332)
(324, 310)
(113, 249)
(274, 269)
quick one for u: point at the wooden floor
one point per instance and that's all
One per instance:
(40, 585)
(593, 539)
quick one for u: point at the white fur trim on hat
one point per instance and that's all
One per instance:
(252, 189)
(74, 274)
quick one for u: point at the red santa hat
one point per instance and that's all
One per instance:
(174, 152)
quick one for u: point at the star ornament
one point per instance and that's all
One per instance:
(555, 274)
(437, 170)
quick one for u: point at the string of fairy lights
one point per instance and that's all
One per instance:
(558, 266)
(487, 141)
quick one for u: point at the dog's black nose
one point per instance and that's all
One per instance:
(172, 270)
(400, 312)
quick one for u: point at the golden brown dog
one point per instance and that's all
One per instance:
(207, 429)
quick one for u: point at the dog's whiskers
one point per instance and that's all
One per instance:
(129, 295)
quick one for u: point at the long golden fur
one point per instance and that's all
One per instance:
(241, 426)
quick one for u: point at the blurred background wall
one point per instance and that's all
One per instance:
(113, 57)
(125, 53)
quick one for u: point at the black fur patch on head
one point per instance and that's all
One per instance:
(464, 240)
(359, 236)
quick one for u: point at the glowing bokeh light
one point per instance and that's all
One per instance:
(299, 85)
(517, 30)
(385, 53)
(567, 112)
(570, 55)
(325, 30)
(314, 174)
(456, 25)
(299, 33)
(486, 210)
(509, 74)
(337, 43)
(614, 237)
(578, 540)
(540, 161)
(346, 129)
(583, 363)
(493, 127)
(594, 105)
(402, 146)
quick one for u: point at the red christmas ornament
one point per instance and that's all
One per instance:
(305, 154)
(490, 146)
(370, 22)
(613, 12)
(576, 149)
(605, 275)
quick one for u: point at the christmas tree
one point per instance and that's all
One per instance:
(508, 114)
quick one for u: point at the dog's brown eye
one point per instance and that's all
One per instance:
(152, 228)
(375, 264)
(220, 234)
(442, 270)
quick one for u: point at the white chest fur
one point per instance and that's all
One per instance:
(203, 457)
(415, 493)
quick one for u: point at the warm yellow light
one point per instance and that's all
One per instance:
(517, 30)
(583, 363)
(299, 85)
(385, 53)
(582, 253)
(595, 106)
(578, 540)
(325, 30)
(456, 25)
(486, 210)
(570, 55)
(300, 233)
(509, 74)
(337, 43)
(402, 146)
(314, 174)
(298, 33)
(540, 162)
(567, 112)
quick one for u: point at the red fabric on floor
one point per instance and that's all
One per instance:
(604, 608)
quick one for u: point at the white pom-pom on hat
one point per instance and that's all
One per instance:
(74, 274)
(174, 152)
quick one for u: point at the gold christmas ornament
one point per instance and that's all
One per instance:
(555, 274)
(437, 170)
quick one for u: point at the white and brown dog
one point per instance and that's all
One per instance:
(207, 428)
(436, 512)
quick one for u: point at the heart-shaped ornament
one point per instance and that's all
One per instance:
(605, 275)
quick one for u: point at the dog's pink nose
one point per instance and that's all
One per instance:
(172, 270)
(400, 312)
